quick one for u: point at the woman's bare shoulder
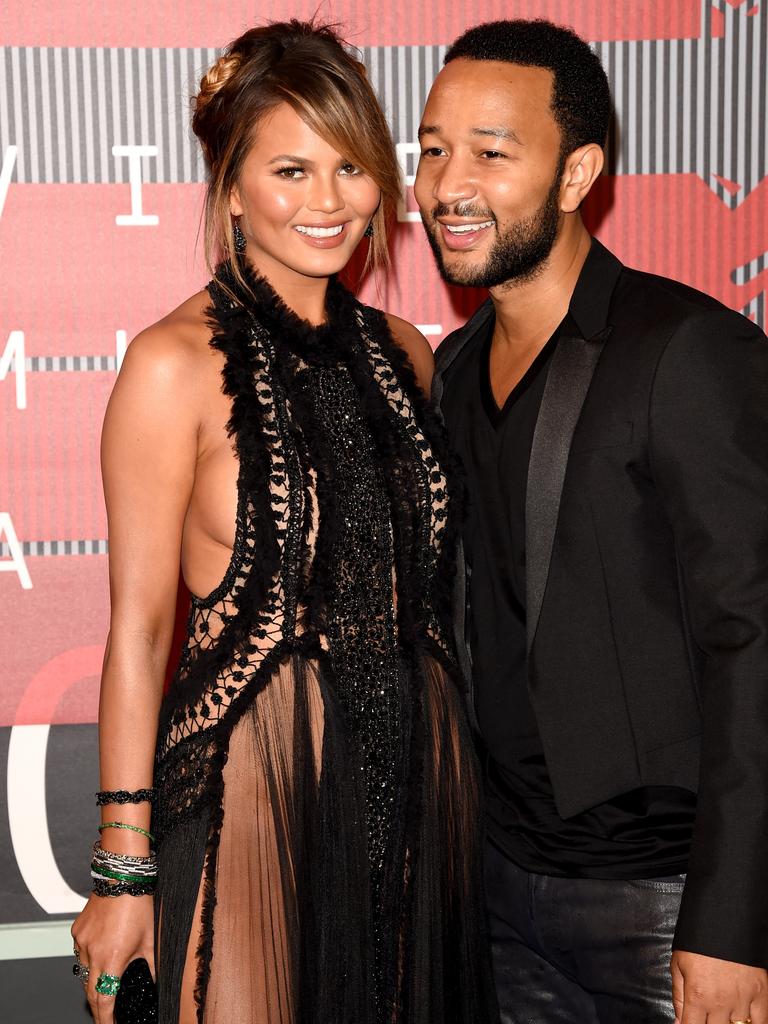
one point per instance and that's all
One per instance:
(416, 347)
(177, 341)
(170, 365)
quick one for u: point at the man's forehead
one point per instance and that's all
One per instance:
(470, 98)
(493, 82)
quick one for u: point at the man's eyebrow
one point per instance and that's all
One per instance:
(496, 133)
(499, 133)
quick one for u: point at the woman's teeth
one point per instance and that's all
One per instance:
(320, 232)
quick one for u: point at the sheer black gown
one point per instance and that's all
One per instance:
(318, 794)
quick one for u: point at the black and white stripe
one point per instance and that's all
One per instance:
(682, 106)
(37, 548)
(70, 364)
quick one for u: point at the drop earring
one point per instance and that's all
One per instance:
(369, 230)
(239, 238)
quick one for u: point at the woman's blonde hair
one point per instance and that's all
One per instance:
(306, 66)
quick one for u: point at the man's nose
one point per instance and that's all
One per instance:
(453, 183)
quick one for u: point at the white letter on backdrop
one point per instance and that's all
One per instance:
(137, 215)
(13, 353)
(403, 150)
(28, 822)
(121, 343)
(5, 174)
(16, 562)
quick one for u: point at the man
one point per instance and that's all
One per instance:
(614, 432)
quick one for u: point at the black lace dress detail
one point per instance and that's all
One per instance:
(315, 778)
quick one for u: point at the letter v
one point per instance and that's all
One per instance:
(9, 161)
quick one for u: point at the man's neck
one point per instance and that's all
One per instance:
(527, 312)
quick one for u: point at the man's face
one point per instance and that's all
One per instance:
(488, 182)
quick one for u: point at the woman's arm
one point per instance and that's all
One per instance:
(149, 451)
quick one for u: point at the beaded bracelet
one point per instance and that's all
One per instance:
(102, 887)
(132, 828)
(100, 853)
(137, 870)
(118, 874)
(105, 861)
(123, 796)
(97, 871)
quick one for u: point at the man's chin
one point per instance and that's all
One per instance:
(454, 267)
(461, 271)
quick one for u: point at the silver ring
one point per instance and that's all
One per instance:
(81, 971)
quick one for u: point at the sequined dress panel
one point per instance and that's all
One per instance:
(315, 774)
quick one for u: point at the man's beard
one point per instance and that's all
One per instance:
(517, 255)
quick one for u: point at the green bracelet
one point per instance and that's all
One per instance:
(132, 828)
(118, 876)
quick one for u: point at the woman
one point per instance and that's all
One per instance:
(316, 806)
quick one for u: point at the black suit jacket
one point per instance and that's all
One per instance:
(647, 576)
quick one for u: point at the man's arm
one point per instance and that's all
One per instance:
(709, 459)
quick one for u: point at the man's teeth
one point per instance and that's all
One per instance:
(463, 229)
(320, 232)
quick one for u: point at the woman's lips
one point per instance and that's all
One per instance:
(328, 236)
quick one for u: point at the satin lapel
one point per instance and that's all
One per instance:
(450, 348)
(570, 374)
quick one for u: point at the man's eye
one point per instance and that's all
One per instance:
(492, 154)
(432, 151)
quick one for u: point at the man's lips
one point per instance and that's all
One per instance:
(462, 234)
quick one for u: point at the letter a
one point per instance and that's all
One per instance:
(16, 562)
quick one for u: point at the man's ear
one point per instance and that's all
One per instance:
(582, 168)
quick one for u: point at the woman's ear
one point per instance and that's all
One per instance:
(235, 206)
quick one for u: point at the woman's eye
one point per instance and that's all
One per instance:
(289, 173)
(349, 169)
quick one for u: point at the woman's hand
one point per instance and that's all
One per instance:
(110, 932)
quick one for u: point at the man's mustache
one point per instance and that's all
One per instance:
(462, 210)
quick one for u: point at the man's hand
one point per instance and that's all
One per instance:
(710, 991)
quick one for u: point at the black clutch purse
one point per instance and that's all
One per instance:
(136, 1000)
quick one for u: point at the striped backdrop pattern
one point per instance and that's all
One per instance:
(681, 106)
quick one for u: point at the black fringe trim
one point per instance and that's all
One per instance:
(423, 587)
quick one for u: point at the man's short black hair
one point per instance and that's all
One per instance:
(581, 98)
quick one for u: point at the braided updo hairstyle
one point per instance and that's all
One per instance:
(306, 66)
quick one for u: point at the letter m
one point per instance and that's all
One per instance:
(12, 358)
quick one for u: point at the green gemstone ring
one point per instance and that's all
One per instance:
(107, 984)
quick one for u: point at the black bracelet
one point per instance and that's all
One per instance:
(122, 796)
(104, 888)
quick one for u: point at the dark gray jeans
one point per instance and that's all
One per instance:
(581, 951)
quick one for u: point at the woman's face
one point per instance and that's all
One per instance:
(303, 207)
